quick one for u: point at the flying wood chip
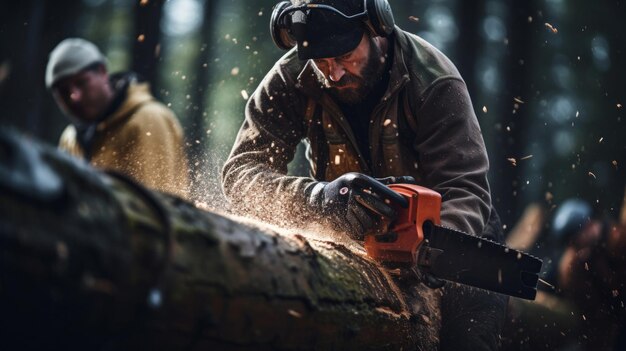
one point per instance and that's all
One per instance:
(551, 27)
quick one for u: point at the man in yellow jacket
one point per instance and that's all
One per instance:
(116, 123)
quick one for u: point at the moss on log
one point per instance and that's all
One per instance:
(94, 261)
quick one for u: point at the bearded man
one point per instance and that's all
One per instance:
(375, 105)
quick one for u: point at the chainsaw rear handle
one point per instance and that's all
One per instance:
(401, 243)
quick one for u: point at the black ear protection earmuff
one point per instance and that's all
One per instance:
(287, 20)
(379, 17)
(280, 26)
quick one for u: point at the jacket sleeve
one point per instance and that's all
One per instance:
(254, 177)
(452, 156)
(154, 155)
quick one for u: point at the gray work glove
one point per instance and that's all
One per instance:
(355, 203)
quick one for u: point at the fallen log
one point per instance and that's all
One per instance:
(94, 261)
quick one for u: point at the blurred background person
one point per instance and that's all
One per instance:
(581, 307)
(116, 124)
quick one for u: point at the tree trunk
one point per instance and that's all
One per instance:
(469, 43)
(94, 261)
(29, 30)
(146, 47)
(197, 114)
(622, 216)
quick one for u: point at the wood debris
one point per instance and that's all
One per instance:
(546, 283)
(294, 313)
(514, 161)
(517, 101)
(551, 27)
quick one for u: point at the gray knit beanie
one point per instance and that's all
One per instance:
(70, 57)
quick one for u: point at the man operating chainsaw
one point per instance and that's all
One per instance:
(375, 105)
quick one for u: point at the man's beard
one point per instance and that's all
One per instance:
(371, 74)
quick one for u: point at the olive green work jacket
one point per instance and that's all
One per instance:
(424, 126)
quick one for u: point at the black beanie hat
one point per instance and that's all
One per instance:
(323, 33)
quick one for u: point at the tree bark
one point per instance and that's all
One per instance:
(94, 261)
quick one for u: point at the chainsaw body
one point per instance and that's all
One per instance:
(402, 242)
(417, 239)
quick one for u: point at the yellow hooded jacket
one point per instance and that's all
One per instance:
(141, 139)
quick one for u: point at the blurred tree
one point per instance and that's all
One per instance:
(204, 57)
(469, 43)
(146, 47)
(110, 24)
(504, 84)
(28, 31)
(577, 125)
(197, 115)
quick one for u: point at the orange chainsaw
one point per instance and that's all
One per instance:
(416, 238)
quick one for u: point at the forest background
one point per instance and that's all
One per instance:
(547, 79)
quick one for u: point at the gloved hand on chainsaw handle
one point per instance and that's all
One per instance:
(356, 203)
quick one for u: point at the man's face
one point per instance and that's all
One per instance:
(350, 78)
(84, 95)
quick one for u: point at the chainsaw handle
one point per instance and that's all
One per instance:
(377, 187)
(402, 241)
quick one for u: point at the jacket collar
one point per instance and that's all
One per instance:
(136, 94)
(129, 95)
(310, 80)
